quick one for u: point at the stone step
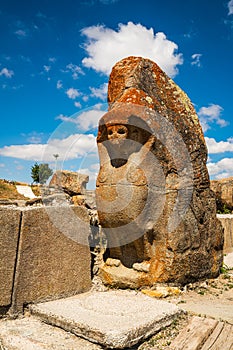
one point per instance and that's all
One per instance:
(25, 191)
(114, 318)
(29, 333)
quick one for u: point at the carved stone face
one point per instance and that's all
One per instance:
(117, 132)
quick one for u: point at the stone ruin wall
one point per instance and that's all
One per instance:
(44, 255)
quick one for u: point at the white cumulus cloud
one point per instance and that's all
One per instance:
(47, 68)
(196, 57)
(26, 152)
(211, 114)
(72, 93)
(106, 46)
(72, 147)
(74, 70)
(86, 120)
(224, 167)
(33, 137)
(59, 84)
(6, 72)
(52, 59)
(230, 7)
(85, 98)
(219, 147)
(89, 119)
(77, 104)
(21, 33)
(100, 92)
(221, 169)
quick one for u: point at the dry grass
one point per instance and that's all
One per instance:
(8, 190)
(36, 190)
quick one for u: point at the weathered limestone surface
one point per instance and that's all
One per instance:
(227, 223)
(153, 190)
(116, 319)
(87, 199)
(224, 192)
(70, 182)
(9, 231)
(29, 333)
(52, 263)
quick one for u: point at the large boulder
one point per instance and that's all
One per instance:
(153, 191)
(70, 182)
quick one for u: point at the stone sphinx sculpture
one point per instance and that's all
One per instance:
(153, 192)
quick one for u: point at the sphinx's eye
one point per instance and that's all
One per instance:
(121, 131)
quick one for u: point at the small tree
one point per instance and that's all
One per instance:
(41, 173)
(35, 169)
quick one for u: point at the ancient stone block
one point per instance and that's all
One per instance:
(227, 223)
(116, 319)
(153, 191)
(54, 256)
(70, 182)
(9, 231)
(224, 193)
(87, 199)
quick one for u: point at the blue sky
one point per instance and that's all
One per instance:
(55, 58)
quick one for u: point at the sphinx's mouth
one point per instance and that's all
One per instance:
(118, 162)
(118, 152)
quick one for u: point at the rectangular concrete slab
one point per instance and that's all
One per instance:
(115, 318)
(54, 257)
(9, 231)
